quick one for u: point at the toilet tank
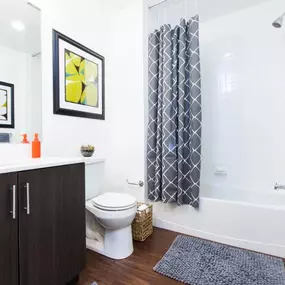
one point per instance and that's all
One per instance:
(94, 178)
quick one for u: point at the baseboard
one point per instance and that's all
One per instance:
(271, 249)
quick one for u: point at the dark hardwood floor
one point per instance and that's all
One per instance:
(135, 270)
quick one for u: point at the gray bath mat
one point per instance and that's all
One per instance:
(199, 262)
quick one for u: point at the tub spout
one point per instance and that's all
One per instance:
(279, 187)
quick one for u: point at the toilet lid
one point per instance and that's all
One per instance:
(114, 201)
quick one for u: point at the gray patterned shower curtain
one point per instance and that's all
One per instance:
(174, 128)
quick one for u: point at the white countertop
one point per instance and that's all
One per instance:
(15, 165)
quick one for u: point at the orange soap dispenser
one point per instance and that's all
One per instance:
(25, 138)
(36, 147)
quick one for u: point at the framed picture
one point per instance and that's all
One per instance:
(7, 119)
(78, 79)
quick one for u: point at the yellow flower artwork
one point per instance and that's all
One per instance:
(81, 80)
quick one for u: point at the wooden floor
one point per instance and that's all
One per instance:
(135, 270)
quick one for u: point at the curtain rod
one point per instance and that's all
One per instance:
(151, 6)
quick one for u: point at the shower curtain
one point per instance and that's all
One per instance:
(174, 128)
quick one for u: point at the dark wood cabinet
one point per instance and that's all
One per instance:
(8, 229)
(49, 229)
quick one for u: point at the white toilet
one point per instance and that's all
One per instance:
(109, 217)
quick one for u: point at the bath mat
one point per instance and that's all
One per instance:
(199, 262)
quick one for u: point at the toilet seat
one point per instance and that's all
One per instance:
(114, 201)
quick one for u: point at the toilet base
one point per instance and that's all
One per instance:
(118, 244)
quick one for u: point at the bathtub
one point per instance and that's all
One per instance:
(255, 222)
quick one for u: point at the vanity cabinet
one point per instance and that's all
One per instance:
(43, 225)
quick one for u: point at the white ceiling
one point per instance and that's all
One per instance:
(28, 40)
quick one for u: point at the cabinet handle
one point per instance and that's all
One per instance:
(13, 212)
(27, 186)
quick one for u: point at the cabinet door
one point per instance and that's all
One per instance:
(70, 223)
(52, 225)
(9, 229)
(37, 225)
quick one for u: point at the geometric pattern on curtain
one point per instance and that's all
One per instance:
(174, 123)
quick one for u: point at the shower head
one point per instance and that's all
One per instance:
(278, 22)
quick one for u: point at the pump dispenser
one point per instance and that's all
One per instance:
(36, 147)
(25, 138)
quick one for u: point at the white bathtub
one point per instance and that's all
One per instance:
(253, 222)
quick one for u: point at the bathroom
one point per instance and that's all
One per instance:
(242, 58)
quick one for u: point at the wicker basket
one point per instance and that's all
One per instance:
(142, 226)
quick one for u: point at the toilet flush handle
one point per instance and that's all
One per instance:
(141, 184)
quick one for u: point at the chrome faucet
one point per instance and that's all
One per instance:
(279, 186)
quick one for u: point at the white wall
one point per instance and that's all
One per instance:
(126, 147)
(243, 87)
(15, 69)
(115, 30)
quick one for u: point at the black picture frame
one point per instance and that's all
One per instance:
(56, 77)
(12, 88)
